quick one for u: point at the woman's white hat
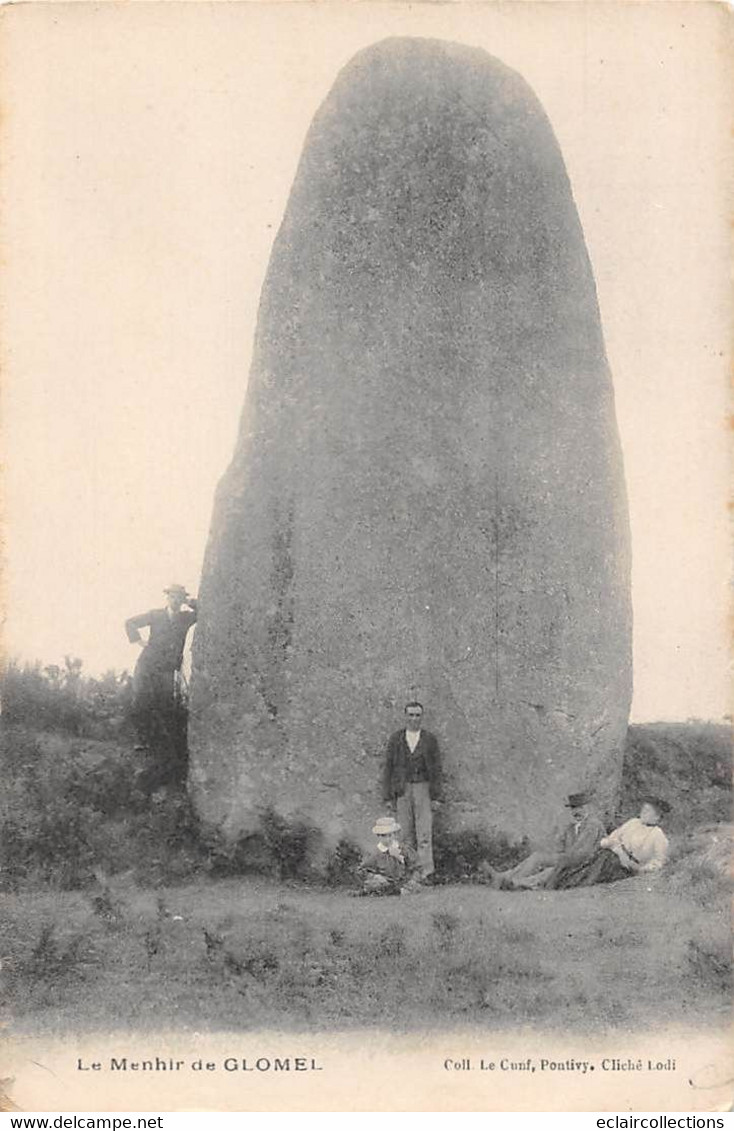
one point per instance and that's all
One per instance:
(385, 826)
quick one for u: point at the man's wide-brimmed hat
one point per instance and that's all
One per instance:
(575, 800)
(177, 589)
(385, 826)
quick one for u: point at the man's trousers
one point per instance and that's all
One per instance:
(416, 823)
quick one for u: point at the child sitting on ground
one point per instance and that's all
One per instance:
(388, 870)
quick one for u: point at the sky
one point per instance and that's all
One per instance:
(148, 153)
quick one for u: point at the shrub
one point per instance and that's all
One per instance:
(458, 855)
(51, 697)
(235, 857)
(279, 847)
(71, 805)
(166, 840)
(287, 842)
(342, 864)
(57, 803)
(50, 845)
(109, 787)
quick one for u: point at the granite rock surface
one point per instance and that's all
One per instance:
(427, 495)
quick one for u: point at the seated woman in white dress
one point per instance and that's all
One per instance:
(637, 846)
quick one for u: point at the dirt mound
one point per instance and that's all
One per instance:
(689, 764)
(710, 847)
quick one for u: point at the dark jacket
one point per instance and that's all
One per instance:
(397, 761)
(385, 864)
(167, 637)
(578, 843)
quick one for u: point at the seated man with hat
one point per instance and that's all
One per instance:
(388, 870)
(576, 843)
(638, 846)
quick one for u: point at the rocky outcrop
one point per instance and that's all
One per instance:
(427, 495)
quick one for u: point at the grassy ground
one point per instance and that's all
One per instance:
(114, 910)
(241, 954)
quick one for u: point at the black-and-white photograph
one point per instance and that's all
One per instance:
(365, 693)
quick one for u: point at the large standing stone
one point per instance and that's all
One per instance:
(427, 493)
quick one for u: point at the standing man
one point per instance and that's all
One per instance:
(154, 679)
(412, 783)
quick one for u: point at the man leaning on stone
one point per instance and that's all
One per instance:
(412, 785)
(575, 844)
(154, 678)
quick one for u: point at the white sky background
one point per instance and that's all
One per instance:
(148, 153)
